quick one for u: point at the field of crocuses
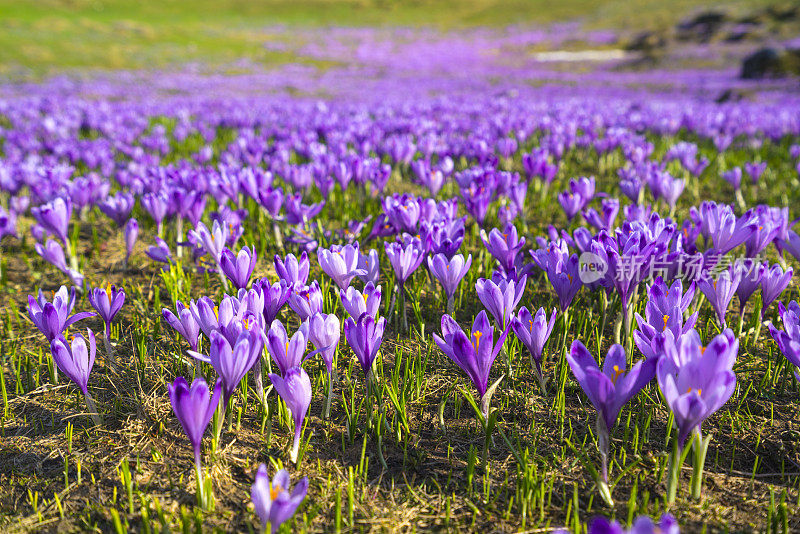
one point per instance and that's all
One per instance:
(435, 284)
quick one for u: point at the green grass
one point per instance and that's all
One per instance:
(113, 34)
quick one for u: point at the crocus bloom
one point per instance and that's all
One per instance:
(159, 252)
(533, 332)
(664, 315)
(565, 279)
(370, 265)
(54, 217)
(474, 354)
(232, 361)
(695, 380)
(356, 302)
(131, 233)
(194, 409)
(751, 274)
(404, 258)
(504, 246)
(52, 318)
(275, 296)
(720, 291)
(324, 332)
(75, 359)
(273, 501)
(788, 339)
(340, 263)
(305, 301)
(184, 323)
(295, 390)
(642, 525)
(724, 228)
(755, 170)
(213, 241)
(238, 268)
(500, 299)
(610, 388)
(733, 177)
(365, 335)
(773, 284)
(449, 273)
(108, 302)
(292, 270)
(285, 352)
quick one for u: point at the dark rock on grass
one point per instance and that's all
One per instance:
(702, 27)
(771, 63)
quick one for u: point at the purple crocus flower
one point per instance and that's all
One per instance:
(733, 177)
(773, 283)
(755, 170)
(788, 339)
(53, 318)
(238, 268)
(157, 205)
(474, 354)
(608, 389)
(356, 302)
(275, 296)
(324, 332)
(664, 315)
(533, 332)
(285, 352)
(54, 217)
(340, 263)
(724, 228)
(75, 359)
(232, 361)
(108, 302)
(365, 335)
(720, 291)
(642, 525)
(213, 241)
(305, 301)
(131, 233)
(273, 501)
(695, 380)
(405, 258)
(504, 246)
(571, 203)
(118, 208)
(751, 274)
(449, 273)
(194, 409)
(159, 252)
(500, 299)
(53, 253)
(184, 323)
(370, 265)
(292, 270)
(295, 390)
(565, 279)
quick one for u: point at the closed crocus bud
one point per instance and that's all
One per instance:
(365, 335)
(370, 265)
(285, 352)
(131, 233)
(54, 217)
(292, 270)
(295, 390)
(184, 323)
(500, 299)
(449, 273)
(324, 332)
(240, 267)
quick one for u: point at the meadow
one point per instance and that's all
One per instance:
(312, 268)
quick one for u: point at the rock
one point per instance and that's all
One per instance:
(647, 42)
(702, 27)
(771, 63)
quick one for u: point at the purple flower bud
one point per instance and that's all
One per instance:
(107, 301)
(75, 359)
(238, 268)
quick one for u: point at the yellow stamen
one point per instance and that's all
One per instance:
(108, 292)
(365, 298)
(216, 312)
(666, 318)
(477, 339)
(703, 350)
(287, 347)
(531, 322)
(274, 491)
(617, 372)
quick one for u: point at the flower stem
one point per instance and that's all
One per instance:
(700, 447)
(92, 407)
(110, 356)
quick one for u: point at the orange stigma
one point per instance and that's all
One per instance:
(617, 372)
